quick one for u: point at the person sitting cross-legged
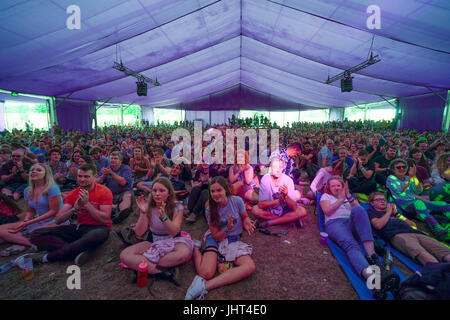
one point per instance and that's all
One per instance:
(119, 179)
(401, 234)
(162, 216)
(43, 200)
(92, 203)
(277, 201)
(227, 218)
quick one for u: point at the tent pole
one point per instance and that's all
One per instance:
(438, 95)
(446, 115)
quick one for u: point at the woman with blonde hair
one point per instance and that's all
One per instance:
(43, 200)
(166, 245)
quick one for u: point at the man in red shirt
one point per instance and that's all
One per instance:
(92, 203)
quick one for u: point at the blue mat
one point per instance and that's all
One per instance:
(358, 283)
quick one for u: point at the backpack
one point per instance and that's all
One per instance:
(432, 284)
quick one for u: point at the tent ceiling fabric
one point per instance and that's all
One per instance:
(195, 48)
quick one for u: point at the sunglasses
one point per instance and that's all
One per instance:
(400, 167)
(379, 200)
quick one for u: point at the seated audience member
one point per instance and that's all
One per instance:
(72, 168)
(344, 217)
(161, 215)
(342, 155)
(41, 151)
(288, 156)
(241, 176)
(440, 179)
(403, 235)
(8, 210)
(179, 186)
(168, 153)
(308, 161)
(59, 168)
(374, 149)
(99, 160)
(420, 159)
(337, 168)
(277, 199)
(14, 175)
(139, 165)
(158, 165)
(119, 179)
(43, 200)
(325, 154)
(421, 173)
(67, 151)
(5, 155)
(382, 165)
(227, 219)
(361, 177)
(84, 158)
(199, 193)
(92, 203)
(403, 186)
(353, 152)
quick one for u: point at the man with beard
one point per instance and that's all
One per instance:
(92, 203)
(277, 200)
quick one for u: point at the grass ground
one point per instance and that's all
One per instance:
(290, 267)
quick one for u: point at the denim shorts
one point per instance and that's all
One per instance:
(210, 242)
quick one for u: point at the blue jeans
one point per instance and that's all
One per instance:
(341, 231)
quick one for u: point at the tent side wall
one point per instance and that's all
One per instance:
(422, 112)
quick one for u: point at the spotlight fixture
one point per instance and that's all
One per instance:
(141, 84)
(141, 88)
(346, 81)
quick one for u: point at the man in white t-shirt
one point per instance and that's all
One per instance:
(277, 199)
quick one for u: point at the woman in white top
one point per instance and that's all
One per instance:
(162, 215)
(343, 217)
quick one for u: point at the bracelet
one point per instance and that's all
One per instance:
(350, 198)
(164, 218)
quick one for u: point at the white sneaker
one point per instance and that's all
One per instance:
(196, 290)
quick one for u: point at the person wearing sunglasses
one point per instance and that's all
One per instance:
(404, 185)
(403, 235)
(14, 175)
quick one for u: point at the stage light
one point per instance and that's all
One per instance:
(347, 83)
(141, 88)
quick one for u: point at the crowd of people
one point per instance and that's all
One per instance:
(77, 185)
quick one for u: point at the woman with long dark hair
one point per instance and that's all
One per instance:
(162, 216)
(227, 217)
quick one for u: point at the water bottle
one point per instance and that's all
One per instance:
(388, 260)
(142, 274)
